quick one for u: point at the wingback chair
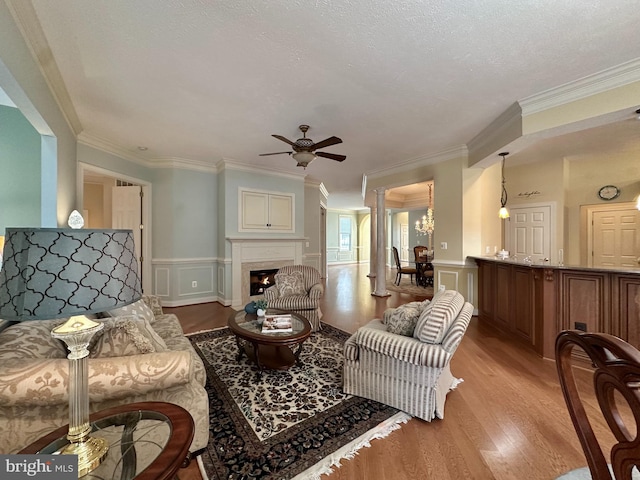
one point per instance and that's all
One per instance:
(403, 361)
(297, 288)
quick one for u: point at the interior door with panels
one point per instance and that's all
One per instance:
(528, 232)
(616, 242)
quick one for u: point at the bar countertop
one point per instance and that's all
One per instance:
(520, 262)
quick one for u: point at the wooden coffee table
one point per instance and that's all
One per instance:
(147, 441)
(276, 351)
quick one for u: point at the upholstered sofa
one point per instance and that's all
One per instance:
(297, 288)
(141, 355)
(404, 360)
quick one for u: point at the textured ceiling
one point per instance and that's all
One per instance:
(207, 80)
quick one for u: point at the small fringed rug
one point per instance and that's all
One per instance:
(290, 424)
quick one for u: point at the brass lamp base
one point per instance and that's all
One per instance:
(91, 453)
(76, 333)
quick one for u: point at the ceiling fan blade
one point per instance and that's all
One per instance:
(332, 156)
(285, 140)
(274, 153)
(326, 143)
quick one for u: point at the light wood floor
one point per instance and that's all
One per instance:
(506, 421)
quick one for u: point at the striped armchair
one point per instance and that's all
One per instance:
(403, 361)
(298, 288)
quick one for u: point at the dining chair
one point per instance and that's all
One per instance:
(400, 270)
(616, 378)
(424, 267)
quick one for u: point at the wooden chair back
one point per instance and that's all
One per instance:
(616, 369)
(396, 257)
(420, 253)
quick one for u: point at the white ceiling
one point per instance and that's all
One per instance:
(206, 80)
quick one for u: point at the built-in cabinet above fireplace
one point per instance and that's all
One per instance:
(266, 211)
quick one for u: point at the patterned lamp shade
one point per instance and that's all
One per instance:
(54, 272)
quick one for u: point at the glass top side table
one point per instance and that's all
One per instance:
(147, 440)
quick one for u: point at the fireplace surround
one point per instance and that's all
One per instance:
(259, 253)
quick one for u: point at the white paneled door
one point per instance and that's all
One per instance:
(616, 242)
(404, 242)
(528, 232)
(127, 214)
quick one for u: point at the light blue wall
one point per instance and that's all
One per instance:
(20, 180)
(185, 236)
(21, 78)
(234, 179)
(184, 214)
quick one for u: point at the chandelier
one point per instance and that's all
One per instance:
(427, 225)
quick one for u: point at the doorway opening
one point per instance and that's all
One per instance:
(112, 200)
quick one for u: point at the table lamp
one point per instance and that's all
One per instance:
(55, 273)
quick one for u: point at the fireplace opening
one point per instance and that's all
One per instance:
(260, 280)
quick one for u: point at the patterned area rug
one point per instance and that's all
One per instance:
(294, 423)
(407, 287)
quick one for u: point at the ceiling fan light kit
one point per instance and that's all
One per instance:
(304, 149)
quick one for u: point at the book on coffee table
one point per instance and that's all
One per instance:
(277, 324)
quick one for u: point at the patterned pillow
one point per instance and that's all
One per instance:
(138, 308)
(120, 337)
(437, 317)
(154, 303)
(290, 284)
(402, 320)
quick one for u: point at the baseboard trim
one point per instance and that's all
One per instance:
(189, 301)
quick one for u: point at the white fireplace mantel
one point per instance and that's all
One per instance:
(272, 251)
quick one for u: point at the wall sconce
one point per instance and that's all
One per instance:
(503, 213)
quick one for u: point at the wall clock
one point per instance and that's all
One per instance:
(608, 192)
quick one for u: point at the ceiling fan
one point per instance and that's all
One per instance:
(304, 150)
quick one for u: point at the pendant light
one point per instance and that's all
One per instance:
(503, 213)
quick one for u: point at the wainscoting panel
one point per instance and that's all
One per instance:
(162, 282)
(185, 281)
(312, 260)
(195, 280)
(221, 276)
(449, 279)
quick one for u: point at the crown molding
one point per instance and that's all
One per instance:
(603, 81)
(183, 164)
(112, 148)
(507, 120)
(229, 164)
(428, 159)
(323, 190)
(27, 22)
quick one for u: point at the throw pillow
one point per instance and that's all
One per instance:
(441, 315)
(120, 337)
(138, 308)
(290, 284)
(154, 303)
(426, 311)
(402, 321)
